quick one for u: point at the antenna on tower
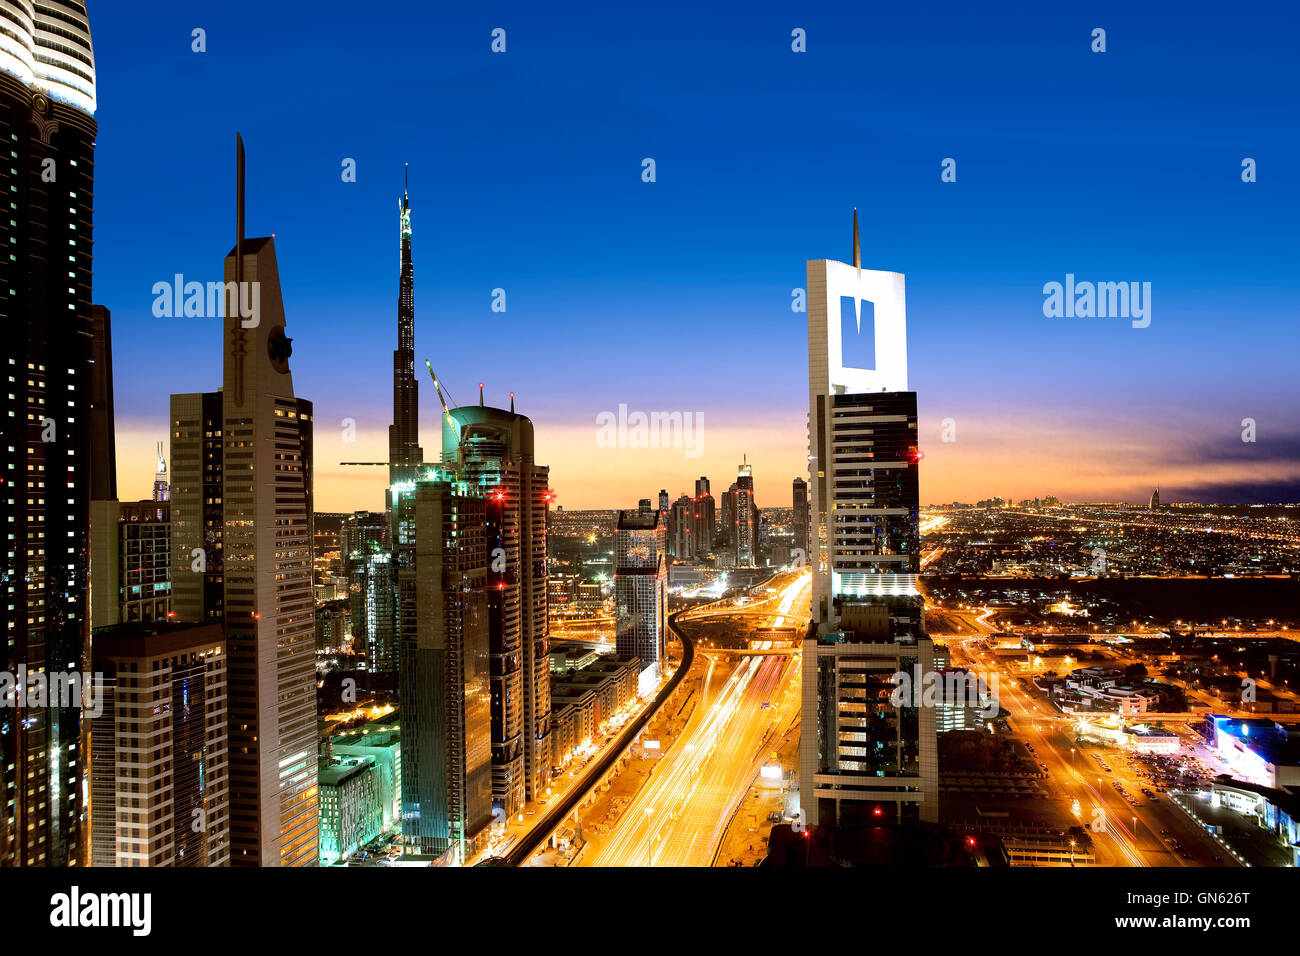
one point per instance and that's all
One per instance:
(857, 245)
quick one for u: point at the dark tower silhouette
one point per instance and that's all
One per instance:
(404, 452)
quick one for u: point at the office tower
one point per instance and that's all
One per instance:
(645, 506)
(266, 547)
(744, 519)
(641, 591)
(130, 562)
(159, 758)
(663, 502)
(404, 452)
(706, 517)
(103, 440)
(859, 754)
(1154, 504)
(363, 533)
(161, 491)
(681, 529)
(799, 505)
(493, 449)
(197, 518)
(47, 107)
(445, 674)
(373, 589)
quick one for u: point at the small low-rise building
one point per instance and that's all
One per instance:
(350, 811)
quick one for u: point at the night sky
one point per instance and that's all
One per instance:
(526, 175)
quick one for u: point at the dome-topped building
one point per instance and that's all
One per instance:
(46, 44)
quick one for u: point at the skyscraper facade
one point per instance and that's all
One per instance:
(267, 570)
(161, 733)
(197, 522)
(861, 757)
(493, 449)
(445, 672)
(744, 540)
(706, 518)
(47, 108)
(640, 590)
(799, 506)
(682, 529)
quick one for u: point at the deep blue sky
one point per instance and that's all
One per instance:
(525, 175)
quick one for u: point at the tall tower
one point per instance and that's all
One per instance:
(47, 109)
(744, 518)
(799, 503)
(493, 449)
(266, 544)
(862, 757)
(404, 452)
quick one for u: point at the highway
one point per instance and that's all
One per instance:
(679, 815)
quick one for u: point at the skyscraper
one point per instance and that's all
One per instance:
(266, 544)
(799, 504)
(640, 591)
(47, 108)
(196, 492)
(162, 733)
(743, 511)
(445, 671)
(493, 449)
(706, 519)
(860, 756)
(681, 529)
(404, 452)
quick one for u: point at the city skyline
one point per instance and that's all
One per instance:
(959, 605)
(593, 261)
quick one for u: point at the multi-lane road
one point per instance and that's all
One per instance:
(678, 817)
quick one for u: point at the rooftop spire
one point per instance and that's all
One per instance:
(512, 403)
(480, 394)
(857, 246)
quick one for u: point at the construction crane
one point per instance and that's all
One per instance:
(445, 410)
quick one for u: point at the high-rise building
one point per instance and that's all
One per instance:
(47, 108)
(861, 757)
(1154, 503)
(645, 506)
(374, 611)
(404, 452)
(706, 518)
(640, 591)
(681, 529)
(799, 504)
(493, 449)
(445, 673)
(130, 562)
(743, 513)
(159, 760)
(265, 496)
(197, 520)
